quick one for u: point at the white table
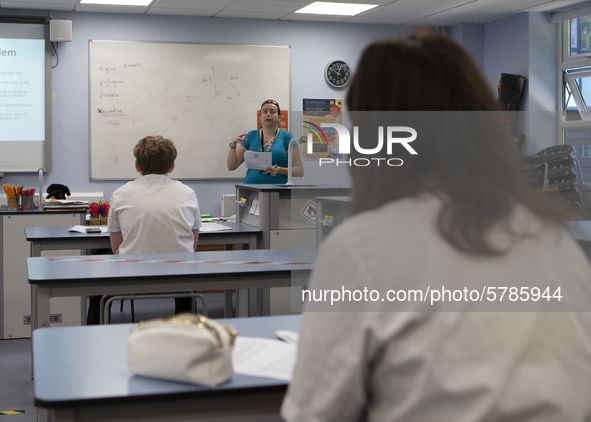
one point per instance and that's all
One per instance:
(81, 374)
(162, 273)
(60, 238)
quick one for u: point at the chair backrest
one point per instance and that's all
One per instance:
(555, 171)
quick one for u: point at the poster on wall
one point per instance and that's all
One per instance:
(325, 140)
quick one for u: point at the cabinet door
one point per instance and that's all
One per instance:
(15, 292)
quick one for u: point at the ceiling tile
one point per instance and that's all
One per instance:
(394, 15)
(249, 15)
(39, 4)
(556, 5)
(110, 9)
(313, 18)
(181, 12)
(481, 11)
(194, 4)
(395, 12)
(266, 6)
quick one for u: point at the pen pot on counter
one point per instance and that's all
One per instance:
(12, 202)
(99, 213)
(95, 219)
(27, 203)
(98, 220)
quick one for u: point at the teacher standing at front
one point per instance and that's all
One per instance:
(268, 139)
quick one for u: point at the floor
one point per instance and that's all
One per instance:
(16, 385)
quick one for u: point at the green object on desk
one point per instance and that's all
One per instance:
(206, 215)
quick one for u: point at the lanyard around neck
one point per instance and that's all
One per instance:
(268, 148)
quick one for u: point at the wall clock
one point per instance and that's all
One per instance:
(337, 73)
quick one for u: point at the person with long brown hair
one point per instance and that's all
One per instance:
(453, 292)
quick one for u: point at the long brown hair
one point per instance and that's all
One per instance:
(464, 152)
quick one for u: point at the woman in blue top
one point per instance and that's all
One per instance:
(275, 140)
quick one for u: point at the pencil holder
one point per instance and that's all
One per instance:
(12, 202)
(27, 203)
(99, 213)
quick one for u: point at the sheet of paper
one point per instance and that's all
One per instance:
(82, 229)
(210, 219)
(253, 206)
(258, 160)
(213, 227)
(263, 357)
(65, 202)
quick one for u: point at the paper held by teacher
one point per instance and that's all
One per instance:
(258, 160)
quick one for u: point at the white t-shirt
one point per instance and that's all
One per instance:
(154, 214)
(371, 360)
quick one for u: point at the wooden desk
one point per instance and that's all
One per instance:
(161, 273)
(60, 238)
(82, 375)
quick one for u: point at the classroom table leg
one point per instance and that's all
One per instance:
(35, 249)
(40, 311)
(258, 302)
(265, 302)
(228, 304)
(242, 303)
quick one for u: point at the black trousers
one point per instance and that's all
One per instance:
(181, 304)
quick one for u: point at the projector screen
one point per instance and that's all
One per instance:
(25, 113)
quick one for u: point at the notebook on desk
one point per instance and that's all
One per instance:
(62, 204)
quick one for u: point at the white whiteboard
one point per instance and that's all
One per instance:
(200, 96)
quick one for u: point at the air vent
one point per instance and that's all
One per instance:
(53, 319)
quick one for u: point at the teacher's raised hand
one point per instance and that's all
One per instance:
(236, 153)
(237, 140)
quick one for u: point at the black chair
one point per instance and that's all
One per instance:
(106, 302)
(556, 168)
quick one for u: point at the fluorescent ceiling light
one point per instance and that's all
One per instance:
(118, 2)
(329, 8)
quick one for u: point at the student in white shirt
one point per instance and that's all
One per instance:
(153, 213)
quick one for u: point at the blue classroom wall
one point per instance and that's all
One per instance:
(313, 44)
(471, 37)
(526, 44)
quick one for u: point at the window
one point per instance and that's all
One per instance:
(579, 31)
(578, 85)
(575, 74)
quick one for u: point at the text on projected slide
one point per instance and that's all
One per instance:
(22, 90)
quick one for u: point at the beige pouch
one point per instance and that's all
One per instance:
(186, 347)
